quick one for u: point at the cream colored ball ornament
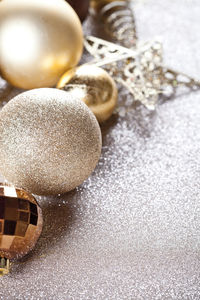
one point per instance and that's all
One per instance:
(50, 141)
(39, 41)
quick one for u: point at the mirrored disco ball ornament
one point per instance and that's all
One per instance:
(20, 224)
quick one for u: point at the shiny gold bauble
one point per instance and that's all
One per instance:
(50, 141)
(20, 222)
(98, 89)
(39, 41)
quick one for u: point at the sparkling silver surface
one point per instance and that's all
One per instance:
(131, 231)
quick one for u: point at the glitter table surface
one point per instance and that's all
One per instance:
(132, 230)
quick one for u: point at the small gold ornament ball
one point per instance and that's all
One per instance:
(20, 222)
(50, 141)
(98, 89)
(39, 41)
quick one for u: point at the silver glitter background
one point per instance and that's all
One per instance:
(131, 231)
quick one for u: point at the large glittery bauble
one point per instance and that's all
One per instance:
(50, 141)
(81, 7)
(20, 222)
(39, 41)
(98, 89)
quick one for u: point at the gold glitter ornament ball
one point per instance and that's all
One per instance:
(98, 89)
(39, 41)
(50, 141)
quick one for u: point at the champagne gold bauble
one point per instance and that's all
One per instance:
(20, 222)
(50, 141)
(98, 89)
(39, 41)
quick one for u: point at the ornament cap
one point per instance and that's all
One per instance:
(4, 266)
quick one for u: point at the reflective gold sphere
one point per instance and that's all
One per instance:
(20, 222)
(39, 41)
(97, 88)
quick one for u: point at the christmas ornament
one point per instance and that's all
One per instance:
(117, 19)
(140, 70)
(20, 224)
(39, 41)
(98, 89)
(50, 141)
(137, 66)
(80, 7)
(129, 67)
